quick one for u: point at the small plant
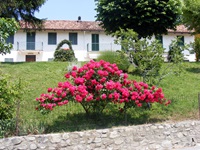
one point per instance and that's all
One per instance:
(9, 96)
(96, 84)
(118, 57)
(64, 54)
(175, 54)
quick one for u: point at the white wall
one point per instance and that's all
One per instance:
(188, 38)
(84, 38)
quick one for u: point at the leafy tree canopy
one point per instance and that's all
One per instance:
(21, 10)
(8, 27)
(191, 14)
(146, 17)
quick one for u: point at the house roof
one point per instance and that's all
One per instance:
(180, 29)
(85, 26)
(68, 25)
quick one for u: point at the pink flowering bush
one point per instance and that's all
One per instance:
(96, 84)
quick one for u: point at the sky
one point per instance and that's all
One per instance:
(67, 10)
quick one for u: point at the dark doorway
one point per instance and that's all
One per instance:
(30, 58)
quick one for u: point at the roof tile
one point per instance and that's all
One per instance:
(85, 26)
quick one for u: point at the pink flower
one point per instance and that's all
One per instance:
(89, 98)
(125, 92)
(50, 97)
(100, 73)
(116, 96)
(72, 89)
(60, 103)
(79, 80)
(110, 85)
(66, 85)
(64, 95)
(121, 100)
(153, 88)
(49, 90)
(79, 98)
(74, 68)
(67, 75)
(99, 87)
(125, 75)
(60, 84)
(91, 66)
(105, 73)
(94, 82)
(80, 70)
(110, 96)
(103, 80)
(103, 96)
(65, 102)
(59, 92)
(73, 74)
(142, 97)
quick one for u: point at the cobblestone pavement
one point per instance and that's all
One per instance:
(191, 148)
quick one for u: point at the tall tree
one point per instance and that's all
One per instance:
(21, 10)
(191, 14)
(7, 27)
(146, 17)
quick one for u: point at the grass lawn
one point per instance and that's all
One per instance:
(38, 76)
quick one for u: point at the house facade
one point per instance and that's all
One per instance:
(87, 38)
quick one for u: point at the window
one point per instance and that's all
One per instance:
(73, 38)
(30, 41)
(160, 39)
(8, 60)
(50, 59)
(10, 39)
(95, 42)
(52, 38)
(181, 40)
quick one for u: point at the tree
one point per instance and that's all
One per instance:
(146, 17)
(22, 10)
(196, 48)
(191, 14)
(147, 57)
(8, 27)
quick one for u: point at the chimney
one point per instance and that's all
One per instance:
(79, 18)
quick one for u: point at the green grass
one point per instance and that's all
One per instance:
(38, 76)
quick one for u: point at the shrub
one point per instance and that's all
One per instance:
(6, 98)
(62, 54)
(9, 93)
(175, 51)
(197, 48)
(115, 57)
(96, 84)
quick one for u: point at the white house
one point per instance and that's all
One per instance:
(87, 38)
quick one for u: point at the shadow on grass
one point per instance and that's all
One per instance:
(13, 63)
(80, 122)
(193, 70)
